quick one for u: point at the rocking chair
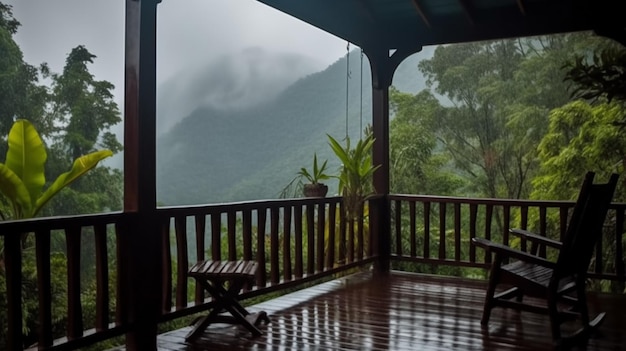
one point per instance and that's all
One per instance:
(560, 283)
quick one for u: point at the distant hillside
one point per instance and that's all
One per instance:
(231, 154)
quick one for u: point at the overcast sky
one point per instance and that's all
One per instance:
(191, 33)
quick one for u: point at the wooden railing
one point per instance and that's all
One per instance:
(437, 230)
(291, 239)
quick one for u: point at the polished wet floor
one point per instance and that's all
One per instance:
(397, 312)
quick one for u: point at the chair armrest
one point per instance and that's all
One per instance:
(536, 238)
(506, 251)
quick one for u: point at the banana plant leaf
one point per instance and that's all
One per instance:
(14, 189)
(81, 166)
(26, 157)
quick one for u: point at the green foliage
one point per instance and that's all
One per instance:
(357, 169)
(581, 137)
(22, 176)
(599, 74)
(317, 173)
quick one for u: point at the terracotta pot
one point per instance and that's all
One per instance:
(315, 190)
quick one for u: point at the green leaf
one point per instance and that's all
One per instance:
(80, 167)
(26, 157)
(14, 189)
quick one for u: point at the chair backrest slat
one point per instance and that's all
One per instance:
(585, 227)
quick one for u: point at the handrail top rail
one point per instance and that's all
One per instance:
(492, 201)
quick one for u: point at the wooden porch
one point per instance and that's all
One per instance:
(396, 311)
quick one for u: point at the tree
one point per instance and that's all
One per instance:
(84, 111)
(20, 94)
(500, 94)
(415, 166)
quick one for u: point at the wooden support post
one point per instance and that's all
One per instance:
(141, 237)
(383, 65)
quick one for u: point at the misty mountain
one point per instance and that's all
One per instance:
(251, 145)
(231, 82)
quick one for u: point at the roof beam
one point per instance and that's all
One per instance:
(421, 13)
(521, 6)
(469, 11)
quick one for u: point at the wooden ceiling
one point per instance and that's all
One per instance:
(408, 24)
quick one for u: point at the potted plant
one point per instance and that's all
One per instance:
(314, 188)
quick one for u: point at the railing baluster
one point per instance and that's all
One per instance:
(44, 287)
(232, 235)
(310, 235)
(398, 229)
(360, 236)
(74, 306)
(102, 277)
(413, 240)
(299, 269)
(457, 231)
(121, 290)
(247, 234)
(442, 230)
(321, 224)
(262, 273)
(523, 225)
(287, 243)
(274, 254)
(330, 252)
(488, 219)
(216, 236)
(472, 231)
(166, 290)
(543, 225)
(426, 229)
(200, 223)
(180, 224)
(342, 234)
(13, 270)
(563, 214)
(506, 224)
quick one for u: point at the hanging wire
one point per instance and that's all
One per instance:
(347, 83)
(361, 103)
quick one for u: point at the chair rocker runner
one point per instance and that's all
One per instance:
(560, 283)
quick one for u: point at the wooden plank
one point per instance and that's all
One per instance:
(261, 221)
(166, 283)
(74, 305)
(247, 235)
(180, 225)
(102, 277)
(320, 240)
(299, 264)
(413, 230)
(442, 230)
(332, 208)
(274, 245)
(473, 211)
(232, 235)
(426, 229)
(310, 235)
(44, 287)
(287, 243)
(457, 232)
(359, 234)
(216, 236)
(200, 224)
(398, 226)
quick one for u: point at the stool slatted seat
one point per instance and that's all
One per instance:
(224, 280)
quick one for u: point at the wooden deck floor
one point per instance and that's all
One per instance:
(397, 312)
